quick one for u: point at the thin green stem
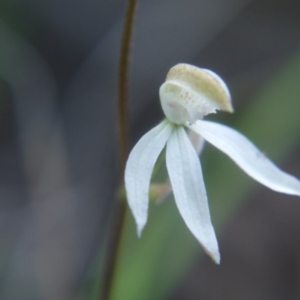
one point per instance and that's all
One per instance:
(120, 208)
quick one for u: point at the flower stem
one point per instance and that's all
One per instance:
(120, 208)
(123, 83)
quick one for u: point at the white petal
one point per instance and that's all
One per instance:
(139, 168)
(197, 141)
(247, 156)
(189, 191)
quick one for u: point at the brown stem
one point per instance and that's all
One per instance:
(123, 83)
(119, 217)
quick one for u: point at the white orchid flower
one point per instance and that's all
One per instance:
(189, 94)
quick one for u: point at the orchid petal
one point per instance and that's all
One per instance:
(247, 156)
(189, 190)
(139, 168)
(197, 141)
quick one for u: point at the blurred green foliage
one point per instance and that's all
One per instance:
(17, 16)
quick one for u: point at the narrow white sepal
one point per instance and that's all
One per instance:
(197, 141)
(139, 168)
(189, 190)
(247, 156)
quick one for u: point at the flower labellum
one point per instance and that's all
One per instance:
(189, 94)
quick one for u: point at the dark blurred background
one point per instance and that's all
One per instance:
(58, 147)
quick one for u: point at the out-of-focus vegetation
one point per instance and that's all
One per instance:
(58, 152)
